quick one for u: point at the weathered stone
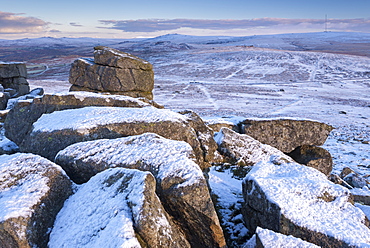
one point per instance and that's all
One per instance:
(204, 135)
(111, 79)
(11, 92)
(113, 71)
(244, 150)
(115, 58)
(313, 156)
(265, 238)
(180, 182)
(50, 135)
(13, 70)
(32, 191)
(297, 200)
(286, 134)
(13, 75)
(116, 208)
(345, 172)
(31, 95)
(24, 113)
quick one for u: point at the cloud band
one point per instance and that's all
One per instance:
(12, 23)
(155, 25)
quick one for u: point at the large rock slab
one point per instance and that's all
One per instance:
(244, 150)
(32, 191)
(297, 200)
(116, 208)
(180, 182)
(53, 132)
(25, 112)
(113, 71)
(286, 134)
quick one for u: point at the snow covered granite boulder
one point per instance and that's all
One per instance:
(286, 134)
(113, 71)
(244, 150)
(24, 113)
(32, 191)
(53, 132)
(116, 208)
(265, 238)
(181, 185)
(297, 200)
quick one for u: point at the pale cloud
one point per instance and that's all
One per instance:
(15, 23)
(75, 24)
(305, 25)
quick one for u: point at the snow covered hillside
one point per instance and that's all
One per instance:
(317, 76)
(314, 76)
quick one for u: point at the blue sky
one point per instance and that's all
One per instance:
(148, 18)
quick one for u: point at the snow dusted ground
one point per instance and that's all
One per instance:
(264, 77)
(226, 80)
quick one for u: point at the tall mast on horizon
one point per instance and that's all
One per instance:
(326, 23)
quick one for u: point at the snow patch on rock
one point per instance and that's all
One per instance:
(19, 195)
(87, 118)
(95, 214)
(168, 158)
(308, 199)
(270, 239)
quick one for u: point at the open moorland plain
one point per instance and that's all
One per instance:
(318, 76)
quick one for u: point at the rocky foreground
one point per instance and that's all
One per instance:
(95, 170)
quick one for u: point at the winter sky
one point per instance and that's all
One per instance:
(149, 18)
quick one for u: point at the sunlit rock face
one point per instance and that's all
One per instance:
(113, 71)
(286, 134)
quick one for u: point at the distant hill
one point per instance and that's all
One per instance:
(45, 48)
